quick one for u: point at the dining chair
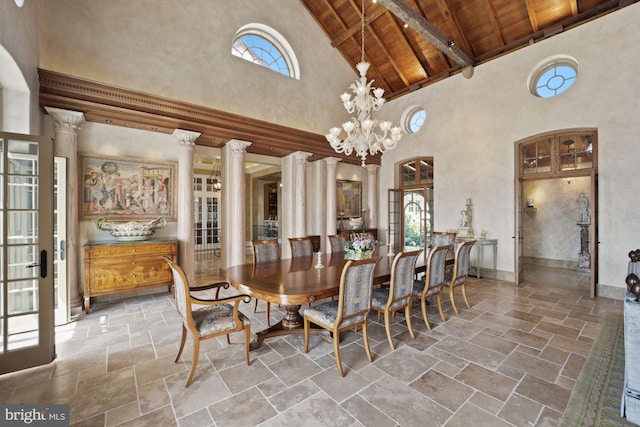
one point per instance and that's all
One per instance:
(433, 282)
(265, 251)
(300, 246)
(351, 309)
(398, 295)
(440, 238)
(217, 317)
(458, 277)
(337, 242)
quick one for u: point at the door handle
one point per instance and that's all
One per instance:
(42, 264)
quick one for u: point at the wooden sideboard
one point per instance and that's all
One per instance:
(112, 267)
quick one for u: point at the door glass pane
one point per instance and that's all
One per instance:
(23, 331)
(22, 296)
(21, 227)
(414, 219)
(19, 258)
(22, 192)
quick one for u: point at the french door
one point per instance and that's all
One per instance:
(26, 249)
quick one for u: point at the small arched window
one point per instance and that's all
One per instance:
(264, 46)
(413, 119)
(553, 77)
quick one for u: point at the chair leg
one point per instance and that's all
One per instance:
(229, 339)
(387, 327)
(439, 302)
(194, 363)
(182, 341)
(336, 350)
(365, 336)
(464, 294)
(247, 340)
(407, 315)
(378, 316)
(423, 303)
(453, 301)
(255, 307)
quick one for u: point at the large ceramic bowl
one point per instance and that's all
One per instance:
(132, 230)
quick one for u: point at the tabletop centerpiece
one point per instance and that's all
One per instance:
(361, 246)
(130, 231)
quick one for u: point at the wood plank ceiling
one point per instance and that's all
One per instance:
(441, 38)
(402, 59)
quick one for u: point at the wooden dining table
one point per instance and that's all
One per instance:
(299, 281)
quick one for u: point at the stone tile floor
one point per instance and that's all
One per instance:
(510, 360)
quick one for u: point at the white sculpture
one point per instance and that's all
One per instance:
(583, 209)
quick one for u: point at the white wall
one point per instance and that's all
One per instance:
(472, 125)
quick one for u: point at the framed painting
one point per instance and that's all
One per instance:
(128, 190)
(349, 194)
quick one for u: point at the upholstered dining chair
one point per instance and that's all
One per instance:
(337, 242)
(433, 282)
(440, 238)
(458, 277)
(217, 317)
(265, 251)
(300, 246)
(398, 296)
(351, 309)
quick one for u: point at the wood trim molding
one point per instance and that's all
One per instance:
(102, 103)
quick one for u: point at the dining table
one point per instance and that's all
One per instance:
(299, 281)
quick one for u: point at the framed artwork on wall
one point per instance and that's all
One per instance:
(128, 190)
(349, 194)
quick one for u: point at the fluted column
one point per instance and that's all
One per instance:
(186, 245)
(332, 204)
(233, 203)
(372, 196)
(66, 125)
(294, 211)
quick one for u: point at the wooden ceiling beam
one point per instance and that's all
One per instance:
(445, 10)
(533, 21)
(419, 24)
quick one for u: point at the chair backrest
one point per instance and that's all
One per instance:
(402, 274)
(300, 246)
(461, 266)
(441, 238)
(265, 251)
(337, 243)
(181, 291)
(356, 291)
(435, 265)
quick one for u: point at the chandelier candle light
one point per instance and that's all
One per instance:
(361, 130)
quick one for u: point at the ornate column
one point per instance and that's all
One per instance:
(66, 125)
(294, 213)
(186, 246)
(232, 216)
(300, 194)
(331, 202)
(372, 196)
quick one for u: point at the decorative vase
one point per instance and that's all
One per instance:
(357, 255)
(130, 231)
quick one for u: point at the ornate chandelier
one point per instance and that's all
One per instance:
(361, 130)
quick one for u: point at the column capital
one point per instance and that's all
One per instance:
(65, 120)
(238, 147)
(301, 156)
(186, 138)
(372, 168)
(332, 161)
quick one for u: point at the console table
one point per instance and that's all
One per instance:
(479, 249)
(112, 267)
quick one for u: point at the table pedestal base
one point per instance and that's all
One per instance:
(292, 323)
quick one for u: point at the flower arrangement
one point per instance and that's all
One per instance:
(361, 246)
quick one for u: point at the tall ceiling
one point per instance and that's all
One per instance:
(468, 33)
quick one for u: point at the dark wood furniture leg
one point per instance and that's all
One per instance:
(292, 323)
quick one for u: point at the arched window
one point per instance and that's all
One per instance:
(553, 77)
(413, 119)
(264, 46)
